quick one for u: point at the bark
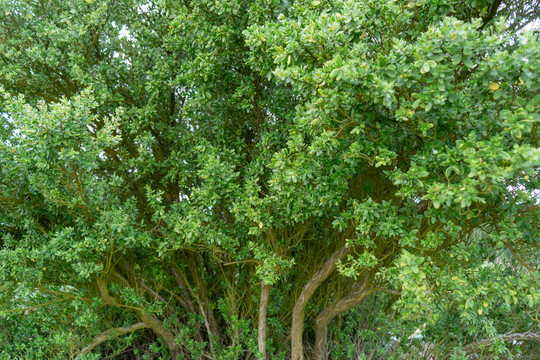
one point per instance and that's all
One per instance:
(104, 292)
(106, 335)
(263, 308)
(337, 307)
(167, 336)
(297, 327)
(491, 13)
(150, 322)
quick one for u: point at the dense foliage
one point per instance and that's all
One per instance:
(231, 179)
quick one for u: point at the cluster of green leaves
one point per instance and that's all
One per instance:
(161, 162)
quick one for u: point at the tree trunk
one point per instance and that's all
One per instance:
(263, 308)
(167, 336)
(337, 307)
(149, 321)
(297, 327)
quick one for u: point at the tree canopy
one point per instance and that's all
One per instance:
(274, 179)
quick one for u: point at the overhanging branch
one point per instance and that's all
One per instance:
(508, 337)
(106, 335)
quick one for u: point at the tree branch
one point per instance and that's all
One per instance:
(158, 328)
(297, 352)
(508, 337)
(389, 291)
(106, 335)
(356, 296)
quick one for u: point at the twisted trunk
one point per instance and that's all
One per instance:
(168, 337)
(360, 292)
(297, 327)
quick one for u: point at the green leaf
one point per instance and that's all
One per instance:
(468, 62)
(440, 86)
(335, 73)
(339, 61)
(388, 99)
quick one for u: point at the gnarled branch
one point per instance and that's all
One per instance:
(508, 337)
(106, 335)
(361, 291)
(297, 352)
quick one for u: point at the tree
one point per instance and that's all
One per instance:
(205, 179)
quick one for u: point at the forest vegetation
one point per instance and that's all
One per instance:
(269, 179)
